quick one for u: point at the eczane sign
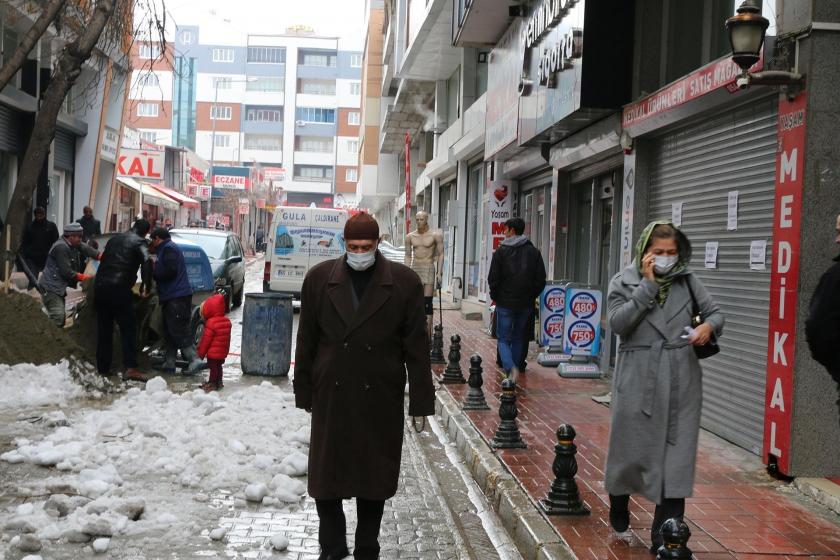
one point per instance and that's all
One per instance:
(141, 164)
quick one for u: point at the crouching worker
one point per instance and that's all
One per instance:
(61, 271)
(215, 342)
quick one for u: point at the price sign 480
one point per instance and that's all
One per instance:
(583, 306)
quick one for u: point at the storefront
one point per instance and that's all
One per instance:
(189, 210)
(127, 207)
(157, 208)
(448, 224)
(61, 192)
(475, 277)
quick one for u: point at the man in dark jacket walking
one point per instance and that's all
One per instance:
(37, 240)
(175, 296)
(516, 278)
(822, 328)
(91, 227)
(362, 326)
(115, 279)
(65, 259)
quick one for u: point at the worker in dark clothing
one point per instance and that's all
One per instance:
(175, 296)
(64, 261)
(91, 227)
(36, 242)
(115, 279)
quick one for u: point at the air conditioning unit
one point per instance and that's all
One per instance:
(300, 123)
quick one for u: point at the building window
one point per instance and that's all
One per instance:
(149, 136)
(223, 55)
(267, 84)
(354, 118)
(317, 173)
(316, 87)
(314, 144)
(221, 113)
(353, 146)
(264, 114)
(315, 115)
(222, 141)
(355, 88)
(351, 175)
(150, 51)
(147, 109)
(355, 60)
(186, 37)
(266, 142)
(148, 80)
(267, 55)
(222, 83)
(322, 59)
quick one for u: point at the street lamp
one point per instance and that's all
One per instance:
(746, 32)
(214, 117)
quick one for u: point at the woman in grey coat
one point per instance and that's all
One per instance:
(657, 386)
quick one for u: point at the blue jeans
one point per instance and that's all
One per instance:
(510, 332)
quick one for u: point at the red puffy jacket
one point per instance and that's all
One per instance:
(215, 342)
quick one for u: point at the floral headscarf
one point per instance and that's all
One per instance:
(684, 248)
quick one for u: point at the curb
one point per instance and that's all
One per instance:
(534, 537)
(821, 491)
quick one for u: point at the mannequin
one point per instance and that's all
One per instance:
(424, 254)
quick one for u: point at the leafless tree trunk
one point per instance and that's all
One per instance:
(13, 62)
(67, 71)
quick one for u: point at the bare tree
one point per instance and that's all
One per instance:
(12, 62)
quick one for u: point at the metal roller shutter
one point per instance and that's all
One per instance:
(698, 166)
(9, 130)
(65, 150)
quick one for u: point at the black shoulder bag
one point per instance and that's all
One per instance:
(710, 348)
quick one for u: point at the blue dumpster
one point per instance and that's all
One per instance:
(267, 334)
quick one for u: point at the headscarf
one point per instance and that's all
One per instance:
(684, 251)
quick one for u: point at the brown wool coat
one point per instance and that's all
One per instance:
(350, 370)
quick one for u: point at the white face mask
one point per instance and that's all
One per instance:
(361, 261)
(662, 264)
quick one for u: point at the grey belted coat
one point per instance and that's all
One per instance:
(657, 387)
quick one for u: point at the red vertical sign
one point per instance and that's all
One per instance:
(407, 183)
(784, 281)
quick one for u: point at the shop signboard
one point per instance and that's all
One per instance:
(503, 74)
(499, 210)
(784, 281)
(244, 206)
(582, 328)
(274, 173)
(110, 141)
(236, 178)
(141, 164)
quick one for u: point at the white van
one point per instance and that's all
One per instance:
(299, 239)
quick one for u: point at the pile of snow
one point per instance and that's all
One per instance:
(27, 385)
(251, 442)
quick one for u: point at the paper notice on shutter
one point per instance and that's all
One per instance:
(711, 254)
(758, 255)
(732, 211)
(676, 213)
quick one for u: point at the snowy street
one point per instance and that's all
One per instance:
(167, 471)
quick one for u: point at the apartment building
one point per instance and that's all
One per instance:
(288, 104)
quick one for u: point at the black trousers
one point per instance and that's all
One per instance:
(177, 314)
(670, 507)
(332, 529)
(115, 303)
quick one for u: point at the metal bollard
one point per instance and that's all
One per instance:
(436, 355)
(507, 434)
(564, 497)
(675, 535)
(452, 374)
(475, 396)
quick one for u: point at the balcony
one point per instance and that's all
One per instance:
(472, 137)
(402, 116)
(262, 127)
(317, 100)
(480, 23)
(304, 128)
(263, 156)
(431, 56)
(263, 98)
(303, 157)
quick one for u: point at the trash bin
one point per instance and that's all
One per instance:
(267, 334)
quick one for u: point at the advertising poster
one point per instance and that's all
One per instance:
(552, 307)
(499, 210)
(581, 332)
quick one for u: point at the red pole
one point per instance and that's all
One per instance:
(407, 183)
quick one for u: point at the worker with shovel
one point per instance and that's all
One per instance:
(62, 271)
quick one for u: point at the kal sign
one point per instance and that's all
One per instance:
(141, 164)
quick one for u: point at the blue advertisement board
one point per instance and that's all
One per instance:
(582, 328)
(552, 306)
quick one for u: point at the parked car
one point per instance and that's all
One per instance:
(227, 259)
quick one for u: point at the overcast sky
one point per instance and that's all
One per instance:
(220, 20)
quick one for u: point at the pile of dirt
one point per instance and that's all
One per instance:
(28, 336)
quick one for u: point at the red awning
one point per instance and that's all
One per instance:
(182, 199)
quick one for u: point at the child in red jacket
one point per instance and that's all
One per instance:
(215, 342)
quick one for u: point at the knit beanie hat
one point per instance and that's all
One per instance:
(73, 228)
(361, 226)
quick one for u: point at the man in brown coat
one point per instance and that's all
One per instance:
(362, 326)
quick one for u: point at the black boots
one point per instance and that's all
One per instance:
(619, 513)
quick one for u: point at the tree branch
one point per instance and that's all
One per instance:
(13, 63)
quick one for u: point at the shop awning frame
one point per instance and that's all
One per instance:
(181, 198)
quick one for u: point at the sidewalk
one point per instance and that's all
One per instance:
(737, 511)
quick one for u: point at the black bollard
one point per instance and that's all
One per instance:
(436, 355)
(507, 434)
(475, 396)
(452, 374)
(563, 496)
(675, 535)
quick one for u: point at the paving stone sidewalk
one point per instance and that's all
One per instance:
(737, 511)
